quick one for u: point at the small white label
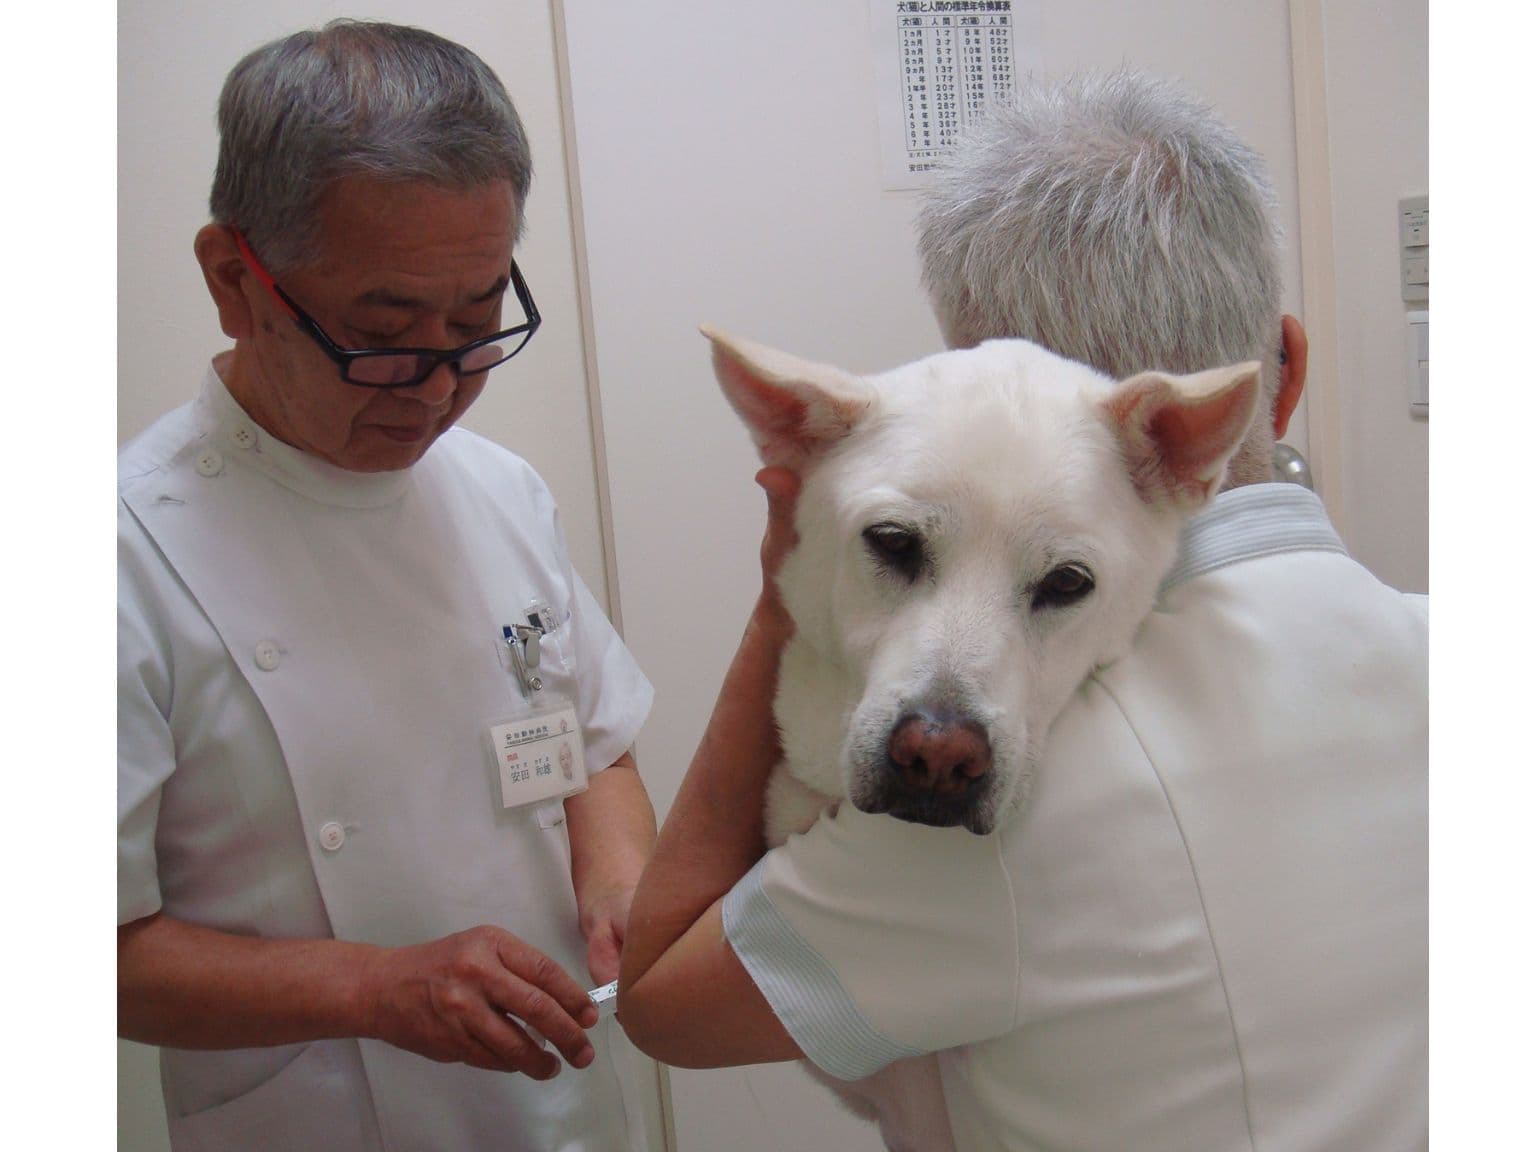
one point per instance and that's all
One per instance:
(941, 68)
(606, 998)
(539, 757)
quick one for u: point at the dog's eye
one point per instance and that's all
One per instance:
(1062, 586)
(896, 548)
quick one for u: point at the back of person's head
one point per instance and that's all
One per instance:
(1116, 221)
(356, 99)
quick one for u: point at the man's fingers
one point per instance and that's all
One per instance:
(535, 1010)
(783, 489)
(538, 970)
(498, 1044)
(538, 993)
(474, 997)
(603, 953)
(782, 485)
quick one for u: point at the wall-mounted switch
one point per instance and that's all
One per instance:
(1413, 243)
(1418, 362)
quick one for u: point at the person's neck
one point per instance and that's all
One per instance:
(237, 370)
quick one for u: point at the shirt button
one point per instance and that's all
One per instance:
(268, 655)
(332, 835)
(244, 436)
(210, 463)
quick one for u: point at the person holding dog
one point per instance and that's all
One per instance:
(1209, 920)
(354, 898)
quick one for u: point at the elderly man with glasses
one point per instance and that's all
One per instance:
(378, 819)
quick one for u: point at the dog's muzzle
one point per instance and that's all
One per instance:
(937, 770)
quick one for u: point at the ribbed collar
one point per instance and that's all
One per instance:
(220, 416)
(1252, 521)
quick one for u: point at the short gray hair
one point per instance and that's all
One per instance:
(356, 98)
(1113, 219)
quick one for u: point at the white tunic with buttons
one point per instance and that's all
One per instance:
(309, 662)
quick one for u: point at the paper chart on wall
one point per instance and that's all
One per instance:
(941, 65)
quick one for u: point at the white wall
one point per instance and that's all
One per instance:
(729, 173)
(1376, 59)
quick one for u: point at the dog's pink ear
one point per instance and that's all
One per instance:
(1178, 432)
(794, 409)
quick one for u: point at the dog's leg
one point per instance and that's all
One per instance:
(791, 806)
(906, 1099)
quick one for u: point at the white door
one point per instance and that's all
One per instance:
(729, 173)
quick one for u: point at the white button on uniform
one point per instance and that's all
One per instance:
(332, 835)
(210, 463)
(268, 655)
(244, 436)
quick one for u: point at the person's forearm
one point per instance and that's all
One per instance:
(187, 986)
(612, 830)
(714, 832)
(464, 997)
(677, 967)
(612, 827)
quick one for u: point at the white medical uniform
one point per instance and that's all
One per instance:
(1208, 927)
(309, 662)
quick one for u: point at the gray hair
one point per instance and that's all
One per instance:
(1116, 221)
(356, 98)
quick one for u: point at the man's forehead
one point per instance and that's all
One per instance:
(404, 245)
(375, 199)
(389, 297)
(359, 217)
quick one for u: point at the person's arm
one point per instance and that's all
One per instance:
(684, 996)
(183, 985)
(612, 828)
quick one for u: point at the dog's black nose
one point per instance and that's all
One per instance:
(939, 753)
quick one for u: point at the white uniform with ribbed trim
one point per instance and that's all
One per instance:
(1208, 928)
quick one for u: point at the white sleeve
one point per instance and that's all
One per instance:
(875, 940)
(145, 753)
(615, 695)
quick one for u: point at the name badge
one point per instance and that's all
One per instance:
(539, 757)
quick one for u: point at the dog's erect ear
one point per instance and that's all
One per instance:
(794, 409)
(1178, 432)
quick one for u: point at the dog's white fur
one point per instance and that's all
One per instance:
(999, 475)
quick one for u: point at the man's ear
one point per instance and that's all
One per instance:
(226, 275)
(793, 408)
(1177, 433)
(1293, 372)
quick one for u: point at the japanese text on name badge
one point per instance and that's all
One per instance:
(539, 757)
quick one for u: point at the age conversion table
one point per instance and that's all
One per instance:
(954, 60)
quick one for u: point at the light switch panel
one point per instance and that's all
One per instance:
(1413, 244)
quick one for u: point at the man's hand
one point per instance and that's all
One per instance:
(470, 998)
(613, 829)
(604, 918)
(779, 538)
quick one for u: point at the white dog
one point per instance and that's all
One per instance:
(978, 532)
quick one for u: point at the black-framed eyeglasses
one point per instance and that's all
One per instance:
(407, 367)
